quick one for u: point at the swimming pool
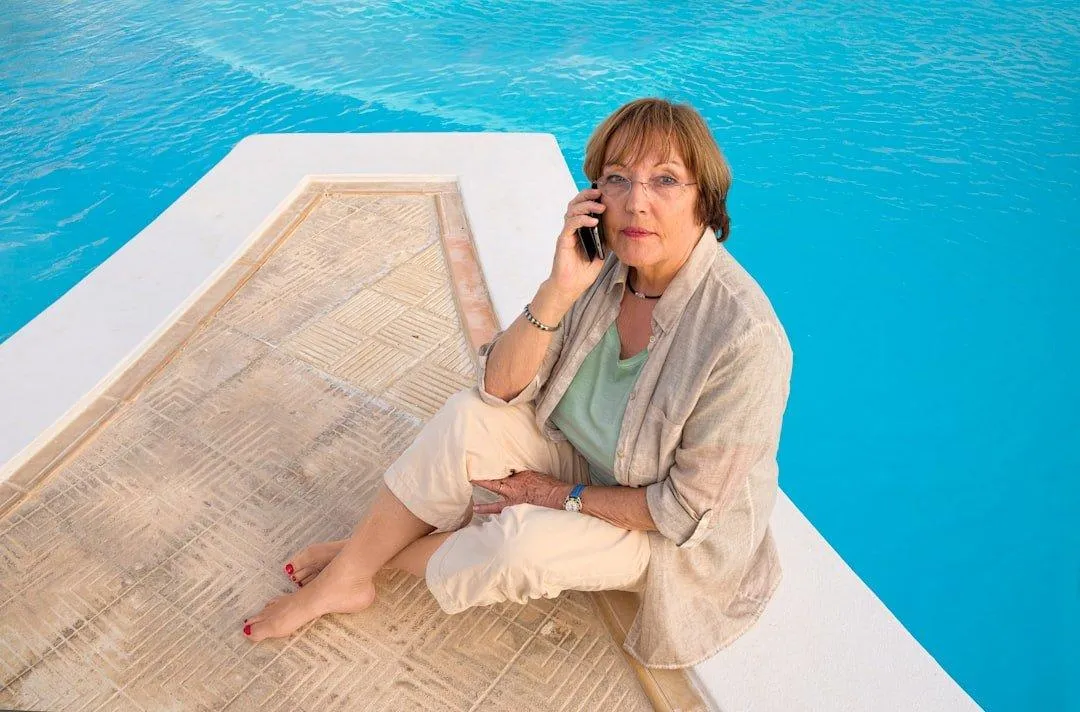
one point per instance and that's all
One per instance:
(905, 187)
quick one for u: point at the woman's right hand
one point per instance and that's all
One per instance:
(572, 271)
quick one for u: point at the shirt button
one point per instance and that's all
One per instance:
(632, 396)
(619, 453)
(652, 340)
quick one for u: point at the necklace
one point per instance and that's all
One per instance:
(640, 295)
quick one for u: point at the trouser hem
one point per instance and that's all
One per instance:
(436, 579)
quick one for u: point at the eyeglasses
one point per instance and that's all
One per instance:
(618, 186)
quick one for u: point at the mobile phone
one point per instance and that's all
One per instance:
(591, 237)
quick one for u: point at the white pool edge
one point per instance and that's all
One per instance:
(825, 642)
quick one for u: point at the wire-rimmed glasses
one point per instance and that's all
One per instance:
(665, 187)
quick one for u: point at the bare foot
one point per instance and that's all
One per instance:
(306, 564)
(333, 592)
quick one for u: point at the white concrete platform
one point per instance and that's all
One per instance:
(825, 643)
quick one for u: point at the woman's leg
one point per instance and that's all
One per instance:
(345, 585)
(306, 564)
(466, 440)
(414, 558)
(529, 552)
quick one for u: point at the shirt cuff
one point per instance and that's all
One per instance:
(673, 518)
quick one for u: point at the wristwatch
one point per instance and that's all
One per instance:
(572, 503)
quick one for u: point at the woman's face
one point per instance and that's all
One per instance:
(647, 230)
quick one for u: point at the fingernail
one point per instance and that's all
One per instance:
(247, 630)
(289, 568)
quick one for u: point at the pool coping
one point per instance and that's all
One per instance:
(824, 642)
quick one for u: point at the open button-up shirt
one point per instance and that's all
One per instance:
(700, 433)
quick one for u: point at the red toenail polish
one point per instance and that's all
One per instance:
(247, 630)
(289, 569)
(300, 584)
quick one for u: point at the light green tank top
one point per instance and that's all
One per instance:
(590, 413)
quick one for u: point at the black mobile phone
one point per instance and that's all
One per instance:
(591, 237)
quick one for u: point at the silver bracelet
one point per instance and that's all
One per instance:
(539, 324)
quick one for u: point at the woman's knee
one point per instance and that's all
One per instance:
(459, 414)
(471, 421)
(460, 410)
(464, 403)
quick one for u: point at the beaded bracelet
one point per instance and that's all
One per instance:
(539, 324)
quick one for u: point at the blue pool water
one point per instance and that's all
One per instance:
(906, 193)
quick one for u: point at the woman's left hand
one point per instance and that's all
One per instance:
(523, 487)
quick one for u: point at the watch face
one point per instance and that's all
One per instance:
(573, 504)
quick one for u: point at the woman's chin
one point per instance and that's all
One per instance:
(634, 254)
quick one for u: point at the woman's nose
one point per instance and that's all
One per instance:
(638, 197)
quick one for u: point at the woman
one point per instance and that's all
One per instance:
(658, 377)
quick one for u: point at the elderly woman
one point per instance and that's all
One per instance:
(629, 420)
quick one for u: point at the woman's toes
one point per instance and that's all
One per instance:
(282, 616)
(305, 558)
(285, 614)
(262, 630)
(256, 631)
(316, 555)
(257, 618)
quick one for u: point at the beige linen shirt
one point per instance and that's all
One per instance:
(700, 432)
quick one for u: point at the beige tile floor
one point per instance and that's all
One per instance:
(128, 563)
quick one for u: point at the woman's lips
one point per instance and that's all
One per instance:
(635, 232)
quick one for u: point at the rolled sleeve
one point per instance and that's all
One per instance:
(673, 518)
(734, 425)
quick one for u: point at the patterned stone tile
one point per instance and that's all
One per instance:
(212, 357)
(368, 312)
(64, 679)
(269, 414)
(423, 391)
(374, 365)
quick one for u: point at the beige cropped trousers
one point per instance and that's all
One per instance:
(526, 551)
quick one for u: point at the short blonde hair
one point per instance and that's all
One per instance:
(644, 124)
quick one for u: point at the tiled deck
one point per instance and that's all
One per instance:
(132, 547)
